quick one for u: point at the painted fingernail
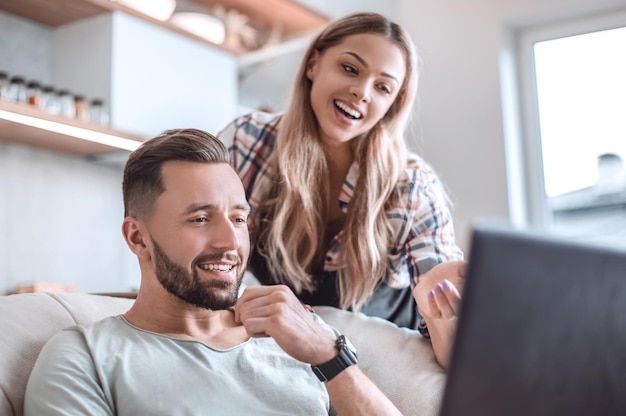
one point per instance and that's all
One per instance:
(439, 289)
(431, 295)
(447, 286)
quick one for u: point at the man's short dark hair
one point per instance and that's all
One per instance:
(143, 181)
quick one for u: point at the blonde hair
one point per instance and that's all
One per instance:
(297, 205)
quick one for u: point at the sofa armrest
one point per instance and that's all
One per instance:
(28, 321)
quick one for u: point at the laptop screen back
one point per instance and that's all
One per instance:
(542, 329)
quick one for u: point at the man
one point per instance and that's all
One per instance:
(189, 345)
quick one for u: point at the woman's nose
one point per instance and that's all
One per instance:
(360, 91)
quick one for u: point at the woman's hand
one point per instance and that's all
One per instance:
(438, 297)
(438, 294)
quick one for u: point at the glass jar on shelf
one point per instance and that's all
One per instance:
(81, 108)
(17, 90)
(33, 94)
(4, 85)
(98, 112)
(49, 100)
(67, 107)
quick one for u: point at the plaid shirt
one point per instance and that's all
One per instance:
(421, 219)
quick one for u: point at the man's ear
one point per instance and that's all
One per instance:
(135, 236)
(310, 65)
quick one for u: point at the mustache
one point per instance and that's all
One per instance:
(214, 257)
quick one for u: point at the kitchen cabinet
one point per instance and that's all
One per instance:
(154, 79)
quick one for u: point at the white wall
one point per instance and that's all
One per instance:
(25, 48)
(461, 129)
(60, 221)
(81, 58)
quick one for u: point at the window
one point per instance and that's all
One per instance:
(573, 95)
(581, 91)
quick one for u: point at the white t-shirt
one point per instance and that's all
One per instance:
(114, 368)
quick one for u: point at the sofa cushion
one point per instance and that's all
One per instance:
(400, 361)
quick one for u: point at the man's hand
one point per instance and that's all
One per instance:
(438, 297)
(274, 311)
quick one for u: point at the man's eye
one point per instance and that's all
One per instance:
(242, 220)
(201, 219)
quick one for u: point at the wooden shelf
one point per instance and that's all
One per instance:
(294, 19)
(53, 13)
(16, 132)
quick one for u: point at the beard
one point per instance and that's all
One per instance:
(207, 294)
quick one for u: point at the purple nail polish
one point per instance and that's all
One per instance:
(439, 289)
(447, 286)
(431, 295)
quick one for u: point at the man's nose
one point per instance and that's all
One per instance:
(224, 235)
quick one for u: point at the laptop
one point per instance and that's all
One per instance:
(541, 330)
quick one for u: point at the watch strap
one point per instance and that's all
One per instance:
(345, 358)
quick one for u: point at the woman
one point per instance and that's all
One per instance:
(343, 213)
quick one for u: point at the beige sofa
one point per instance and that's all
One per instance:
(400, 361)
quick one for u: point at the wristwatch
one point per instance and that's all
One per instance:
(344, 359)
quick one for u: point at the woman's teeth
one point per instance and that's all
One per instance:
(350, 112)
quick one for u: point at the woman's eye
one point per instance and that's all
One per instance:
(350, 69)
(384, 88)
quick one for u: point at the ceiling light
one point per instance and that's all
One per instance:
(201, 24)
(158, 9)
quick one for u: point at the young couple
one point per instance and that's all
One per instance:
(339, 213)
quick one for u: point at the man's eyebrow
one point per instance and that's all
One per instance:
(243, 207)
(212, 207)
(362, 61)
(199, 207)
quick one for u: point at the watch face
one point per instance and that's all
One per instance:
(350, 346)
(343, 340)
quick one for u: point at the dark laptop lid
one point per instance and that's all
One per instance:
(542, 329)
